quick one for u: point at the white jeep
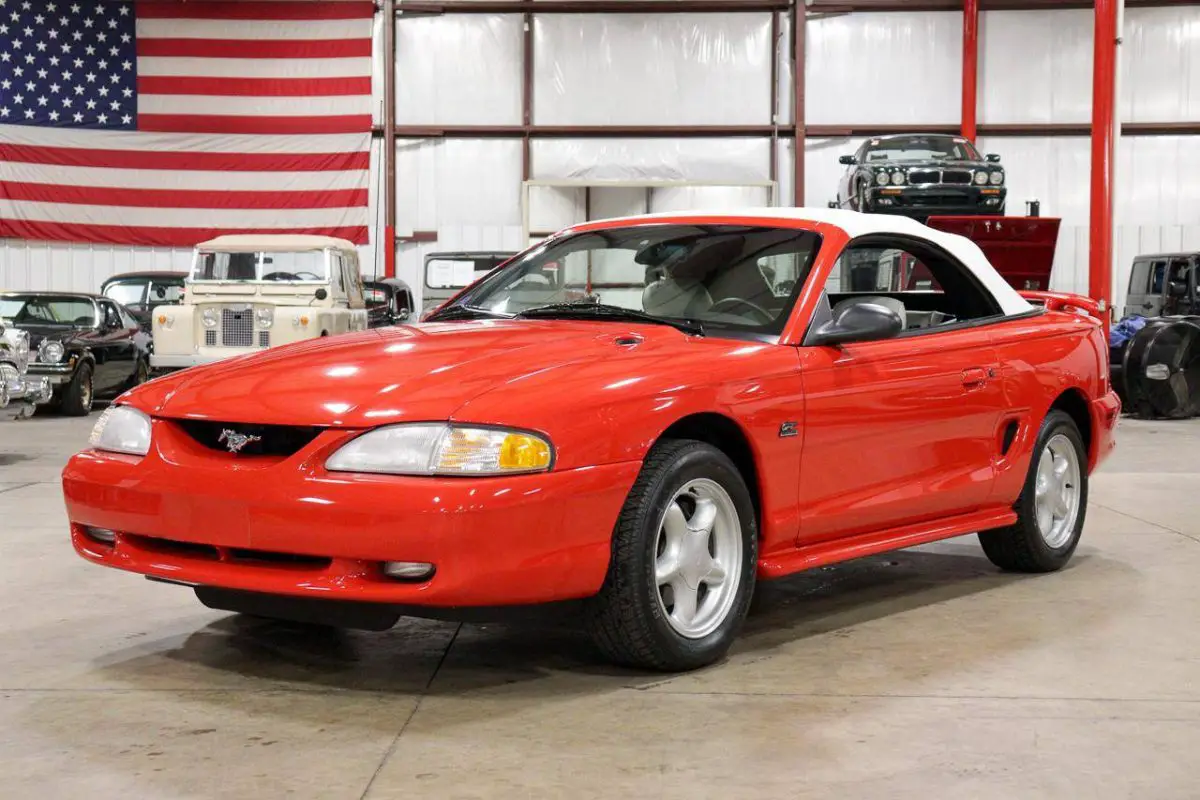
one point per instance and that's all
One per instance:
(250, 292)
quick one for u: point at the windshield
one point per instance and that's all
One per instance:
(126, 293)
(459, 273)
(45, 310)
(308, 265)
(724, 276)
(921, 148)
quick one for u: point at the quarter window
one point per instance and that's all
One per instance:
(925, 285)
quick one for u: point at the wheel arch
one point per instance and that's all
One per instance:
(725, 434)
(1074, 403)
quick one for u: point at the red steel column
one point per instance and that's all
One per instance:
(970, 67)
(389, 139)
(1104, 122)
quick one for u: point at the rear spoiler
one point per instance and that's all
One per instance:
(1062, 301)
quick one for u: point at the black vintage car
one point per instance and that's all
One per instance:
(140, 292)
(389, 302)
(87, 345)
(920, 175)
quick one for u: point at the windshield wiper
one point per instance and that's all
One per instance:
(602, 311)
(463, 312)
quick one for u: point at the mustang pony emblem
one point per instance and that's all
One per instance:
(236, 441)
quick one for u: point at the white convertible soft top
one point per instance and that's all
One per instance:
(273, 243)
(856, 224)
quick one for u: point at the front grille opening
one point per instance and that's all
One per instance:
(237, 328)
(264, 338)
(923, 176)
(210, 338)
(175, 548)
(956, 176)
(244, 555)
(272, 440)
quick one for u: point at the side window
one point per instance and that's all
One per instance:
(165, 293)
(111, 317)
(337, 272)
(354, 287)
(127, 321)
(1158, 276)
(926, 286)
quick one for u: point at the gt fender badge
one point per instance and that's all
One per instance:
(235, 441)
(788, 429)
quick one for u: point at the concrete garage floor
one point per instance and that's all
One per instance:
(925, 674)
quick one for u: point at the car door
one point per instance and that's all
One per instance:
(905, 429)
(114, 347)
(1141, 299)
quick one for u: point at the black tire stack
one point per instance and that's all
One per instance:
(1160, 370)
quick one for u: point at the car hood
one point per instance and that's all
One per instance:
(933, 164)
(53, 332)
(405, 373)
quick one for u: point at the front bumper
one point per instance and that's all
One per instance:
(55, 374)
(19, 398)
(203, 355)
(960, 199)
(287, 527)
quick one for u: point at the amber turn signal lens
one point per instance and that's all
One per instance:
(521, 452)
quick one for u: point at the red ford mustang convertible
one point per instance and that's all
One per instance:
(645, 415)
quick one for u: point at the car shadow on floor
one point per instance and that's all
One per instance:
(550, 659)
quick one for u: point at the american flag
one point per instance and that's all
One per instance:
(168, 122)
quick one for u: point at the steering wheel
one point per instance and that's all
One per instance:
(766, 316)
(311, 276)
(281, 276)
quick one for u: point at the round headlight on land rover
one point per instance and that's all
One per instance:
(265, 317)
(209, 317)
(50, 352)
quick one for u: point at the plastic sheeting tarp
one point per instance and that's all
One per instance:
(460, 69)
(1161, 65)
(1035, 66)
(457, 182)
(643, 69)
(716, 159)
(884, 67)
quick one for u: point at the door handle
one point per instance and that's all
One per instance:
(974, 377)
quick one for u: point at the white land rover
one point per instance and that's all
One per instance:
(249, 292)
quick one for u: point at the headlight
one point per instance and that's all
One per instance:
(997, 178)
(265, 317)
(50, 352)
(210, 317)
(9, 376)
(881, 178)
(122, 429)
(897, 178)
(441, 449)
(981, 178)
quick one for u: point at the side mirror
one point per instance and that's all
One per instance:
(322, 294)
(859, 322)
(402, 315)
(993, 158)
(847, 160)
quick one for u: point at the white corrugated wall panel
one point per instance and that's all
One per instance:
(716, 159)
(887, 67)
(1034, 66)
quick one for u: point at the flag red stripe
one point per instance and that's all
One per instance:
(201, 123)
(204, 162)
(246, 9)
(254, 87)
(181, 198)
(151, 237)
(242, 48)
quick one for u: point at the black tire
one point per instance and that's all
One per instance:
(627, 619)
(78, 395)
(1021, 547)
